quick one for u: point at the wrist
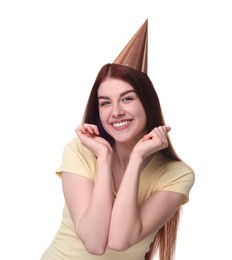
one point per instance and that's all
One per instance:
(136, 161)
(136, 158)
(104, 158)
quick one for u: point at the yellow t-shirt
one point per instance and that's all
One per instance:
(160, 174)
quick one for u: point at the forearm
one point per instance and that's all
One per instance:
(93, 227)
(126, 224)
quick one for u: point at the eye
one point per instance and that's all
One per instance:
(127, 99)
(104, 103)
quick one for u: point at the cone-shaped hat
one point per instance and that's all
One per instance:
(134, 54)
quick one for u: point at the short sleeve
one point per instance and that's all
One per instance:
(178, 177)
(77, 159)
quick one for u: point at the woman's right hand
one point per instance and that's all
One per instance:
(90, 137)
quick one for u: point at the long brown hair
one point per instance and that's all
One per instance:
(165, 239)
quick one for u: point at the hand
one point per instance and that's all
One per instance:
(152, 142)
(89, 137)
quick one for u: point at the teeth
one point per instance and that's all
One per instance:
(120, 124)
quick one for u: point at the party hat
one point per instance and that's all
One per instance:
(134, 54)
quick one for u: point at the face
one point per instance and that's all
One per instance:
(121, 111)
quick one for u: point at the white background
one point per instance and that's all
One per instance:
(50, 53)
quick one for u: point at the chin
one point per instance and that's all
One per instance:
(125, 140)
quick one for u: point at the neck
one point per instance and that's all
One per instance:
(122, 154)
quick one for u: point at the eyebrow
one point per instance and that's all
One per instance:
(121, 95)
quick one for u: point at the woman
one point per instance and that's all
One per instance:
(123, 183)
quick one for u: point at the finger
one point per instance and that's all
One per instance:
(154, 133)
(146, 137)
(80, 130)
(88, 128)
(163, 132)
(158, 132)
(160, 135)
(95, 129)
(167, 128)
(163, 129)
(91, 129)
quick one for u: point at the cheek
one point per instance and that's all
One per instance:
(143, 120)
(102, 115)
(143, 116)
(140, 111)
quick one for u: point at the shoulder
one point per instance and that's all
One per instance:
(74, 146)
(174, 175)
(77, 159)
(173, 166)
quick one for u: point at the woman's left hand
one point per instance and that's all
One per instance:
(152, 142)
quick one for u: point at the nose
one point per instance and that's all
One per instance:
(117, 110)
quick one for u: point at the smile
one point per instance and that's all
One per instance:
(120, 124)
